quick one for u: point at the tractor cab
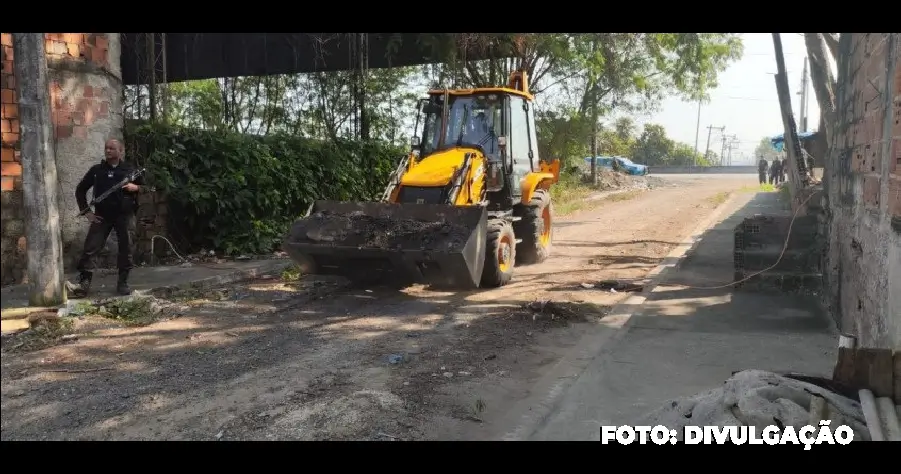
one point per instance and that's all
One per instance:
(499, 122)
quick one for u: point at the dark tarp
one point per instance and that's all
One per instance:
(191, 56)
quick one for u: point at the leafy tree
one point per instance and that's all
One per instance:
(594, 74)
(765, 149)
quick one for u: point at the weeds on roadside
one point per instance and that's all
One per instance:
(571, 194)
(292, 273)
(42, 334)
(761, 188)
(785, 194)
(718, 198)
(129, 311)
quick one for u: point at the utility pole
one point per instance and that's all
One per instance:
(697, 135)
(804, 86)
(710, 129)
(44, 248)
(732, 144)
(723, 152)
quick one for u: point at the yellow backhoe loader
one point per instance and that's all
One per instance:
(469, 201)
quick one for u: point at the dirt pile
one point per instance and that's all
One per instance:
(364, 231)
(609, 180)
(759, 399)
(556, 313)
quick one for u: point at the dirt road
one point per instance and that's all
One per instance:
(313, 360)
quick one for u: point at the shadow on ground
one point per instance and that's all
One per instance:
(691, 333)
(102, 385)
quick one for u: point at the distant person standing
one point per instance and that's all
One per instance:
(775, 171)
(762, 166)
(783, 168)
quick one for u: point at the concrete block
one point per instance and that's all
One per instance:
(764, 231)
(779, 282)
(804, 261)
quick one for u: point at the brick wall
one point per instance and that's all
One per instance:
(85, 89)
(864, 192)
(151, 220)
(12, 237)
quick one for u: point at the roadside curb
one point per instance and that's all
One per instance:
(223, 279)
(22, 313)
(593, 347)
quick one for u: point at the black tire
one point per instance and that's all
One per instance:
(536, 223)
(500, 254)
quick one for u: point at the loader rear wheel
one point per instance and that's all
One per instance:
(500, 254)
(536, 228)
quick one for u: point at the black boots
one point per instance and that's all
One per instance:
(80, 289)
(122, 286)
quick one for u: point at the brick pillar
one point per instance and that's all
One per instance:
(86, 90)
(12, 240)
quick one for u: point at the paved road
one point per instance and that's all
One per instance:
(687, 339)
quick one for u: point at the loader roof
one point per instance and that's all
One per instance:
(483, 90)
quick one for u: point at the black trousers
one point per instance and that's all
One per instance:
(96, 240)
(762, 176)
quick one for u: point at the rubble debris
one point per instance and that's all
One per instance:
(614, 286)
(757, 398)
(609, 180)
(556, 313)
(364, 231)
(619, 286)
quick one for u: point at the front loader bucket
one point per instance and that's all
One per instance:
(436, 244)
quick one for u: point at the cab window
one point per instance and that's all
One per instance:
(519, 143)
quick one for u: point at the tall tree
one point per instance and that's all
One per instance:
(765, 149)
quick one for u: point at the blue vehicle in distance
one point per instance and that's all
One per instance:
(622, 163)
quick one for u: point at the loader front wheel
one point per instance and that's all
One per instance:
(500, 254)
(536, 229)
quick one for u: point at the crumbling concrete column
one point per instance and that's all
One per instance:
(86, 93)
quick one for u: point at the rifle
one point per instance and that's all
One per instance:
(128, 179)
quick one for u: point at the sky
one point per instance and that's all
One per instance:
(745, 102)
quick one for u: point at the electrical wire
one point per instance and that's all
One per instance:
(778, 260)
(183, 259)
(172, 247)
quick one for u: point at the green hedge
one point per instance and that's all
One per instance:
(239, 193)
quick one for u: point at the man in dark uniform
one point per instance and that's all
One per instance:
(761, 170)
(113, 213)
(775, 171)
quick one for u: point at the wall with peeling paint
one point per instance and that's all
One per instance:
(86, 91)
